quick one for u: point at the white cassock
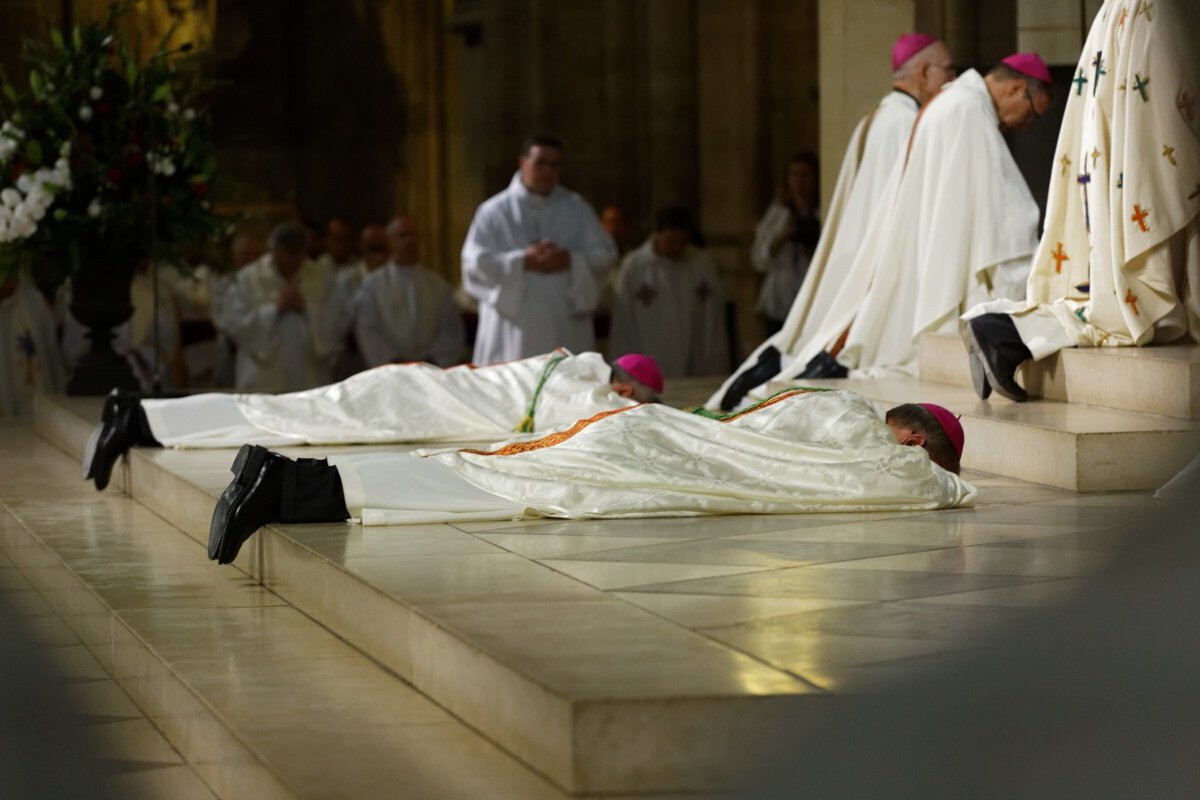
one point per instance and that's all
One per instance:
(525, 313)
(877, 145)
(407, 314)
(347, 280)
(1119, 260)
(30, 360)
(799, 452)
(672, 310)
(397, 403)
(280, 352)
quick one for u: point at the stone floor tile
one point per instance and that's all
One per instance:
(623, 574)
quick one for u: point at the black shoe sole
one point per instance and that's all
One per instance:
(221, 546)
(979, 379)
(997, 385)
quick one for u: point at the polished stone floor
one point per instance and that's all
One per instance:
(801, 604)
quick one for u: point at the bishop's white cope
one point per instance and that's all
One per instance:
(1119, 260)
(395, 403)
(525, 313)
(799, 452)
(29, 356)
(877, 145)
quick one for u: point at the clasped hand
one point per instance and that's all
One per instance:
(546, 256)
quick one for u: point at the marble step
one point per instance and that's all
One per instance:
(595, 693)
(1156, 380)
(257, 697)
(1067, 445)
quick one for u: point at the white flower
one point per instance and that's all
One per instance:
(65, 150)
(189, 114)
(95, 208)
(85, 113)
(95, 93)
(11, 198)
(172, 108)
(25, 182)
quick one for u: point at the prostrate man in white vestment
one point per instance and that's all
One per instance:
(405, 311)
(30, 359)
(279, 314)
(389, 404)
(669, 302)
(536, 259)
(800, 451)
(1119, 261)
(920, 66)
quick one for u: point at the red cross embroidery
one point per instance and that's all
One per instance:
(1059, 256)
(1131, 299)
(1139, 216)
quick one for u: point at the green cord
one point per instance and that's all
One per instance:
(526, 423)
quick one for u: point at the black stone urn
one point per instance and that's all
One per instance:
(100, 301)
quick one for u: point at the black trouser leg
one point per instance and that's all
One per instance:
(312, 492)
(764, 369)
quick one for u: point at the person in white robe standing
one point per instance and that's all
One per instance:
(669, 303)
(801, 451)
(405, 311)
(785, 238)
(536, 260)
(921, 65)
(373, 245)
(389, 404)
(1119, 260)
(278, 313)
(30, 359)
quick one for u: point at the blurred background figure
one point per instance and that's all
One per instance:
(785, 239)
(30, 359)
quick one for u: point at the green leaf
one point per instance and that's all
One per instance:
(33, 151)
(60, 214)
(163, 92)
(77, 37)
(57, 37)
(35, 83)
(10, 92)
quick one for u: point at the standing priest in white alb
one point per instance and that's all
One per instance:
(669, 302)
(281, 312)
(1119, 262)
(405, 311)
(536, 259)
(920, 66)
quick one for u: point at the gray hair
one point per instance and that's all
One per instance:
(290, 237)
(641, 392)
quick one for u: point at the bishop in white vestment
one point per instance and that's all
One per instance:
(1119, 260)
(535, 258)
(921, 66)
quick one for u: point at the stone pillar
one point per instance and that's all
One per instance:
(856, 38)
(1055, 29)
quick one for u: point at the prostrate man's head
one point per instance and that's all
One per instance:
(637, 377)
(921, 64)
(931, 427)
(403, 240)
(288, 244)
(540, 163)
(339, 241)
(1020, 86)
(374, 246)
(673, 228)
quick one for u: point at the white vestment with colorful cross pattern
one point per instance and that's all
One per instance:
(1119, 261)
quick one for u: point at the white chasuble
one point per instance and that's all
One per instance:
(877, 145)
(276, 351)
(671, 310)
(30, 359)
(525, 313)
(397, 403)
(1119, 260)
(408, 314)
(798, 452)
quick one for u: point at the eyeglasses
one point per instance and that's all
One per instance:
(1032, 107)
(948, 69)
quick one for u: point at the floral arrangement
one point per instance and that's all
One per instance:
(105, 156)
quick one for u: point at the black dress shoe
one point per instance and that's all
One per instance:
(979, 381)
(767, 367)
(252, 499)
(823, 365)
(268, 487)
(122, 425)
(995, 343)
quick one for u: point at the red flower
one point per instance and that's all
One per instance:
(200, 189)
(134, 159)
(104, 109)
(114, 175)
